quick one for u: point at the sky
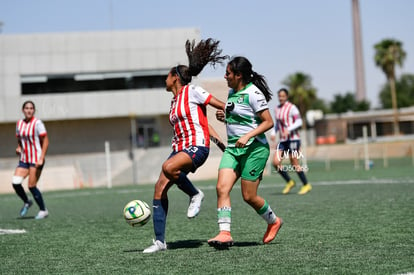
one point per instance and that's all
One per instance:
(279, 37)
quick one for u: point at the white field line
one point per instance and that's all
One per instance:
(11, 231)
(237, 186)
(91, 192)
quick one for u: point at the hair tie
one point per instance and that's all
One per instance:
(178, 73)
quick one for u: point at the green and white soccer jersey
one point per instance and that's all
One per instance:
(241, 113)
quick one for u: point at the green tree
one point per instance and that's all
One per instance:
(320, 104)
(389, 53)
(301, 92)
(362, 105)
(405, 88)
(347, 102)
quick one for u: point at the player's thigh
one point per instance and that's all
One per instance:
(277, 157)
(21, 172)
(280, 152)
(227, 177)
(177, 162)
(295, 154)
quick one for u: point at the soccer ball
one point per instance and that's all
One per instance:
(137, 213)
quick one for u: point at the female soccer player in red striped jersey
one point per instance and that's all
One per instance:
(288, 122)
(32, 144)
(191, 140)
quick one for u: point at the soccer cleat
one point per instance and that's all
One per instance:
(42, 214)
(25, 208)
(288, 187)
(195, 203)
(305, 189)
(272, 230)
(222, 240)
(156, 247)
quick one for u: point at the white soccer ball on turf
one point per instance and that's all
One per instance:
(137, 213)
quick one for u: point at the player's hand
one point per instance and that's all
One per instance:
(18, 150)
(241, 142)
(39, 163)
(220, 115)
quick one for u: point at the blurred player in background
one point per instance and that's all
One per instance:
(288, 122)
(247, 118)
(191, 141)
(32, 144)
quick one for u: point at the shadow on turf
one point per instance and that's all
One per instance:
(177, 245)
(185, 244)
(196, 244)
(244, 244)
(237, 244)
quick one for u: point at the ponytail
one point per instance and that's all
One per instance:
(205, 52)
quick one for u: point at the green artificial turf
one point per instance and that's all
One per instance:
(352, 222)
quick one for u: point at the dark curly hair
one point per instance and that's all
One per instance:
(205, 52)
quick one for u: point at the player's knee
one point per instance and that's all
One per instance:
(16, 180)
(222, 190)
(32, 184)
(276, 162)
(248, 198)
(170, 171)
(165, 168)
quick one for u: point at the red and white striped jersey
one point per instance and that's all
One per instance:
(188, 116)
(29, 133)
(285, 116)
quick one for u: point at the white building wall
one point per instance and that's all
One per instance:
(99, 104)
(89, 52)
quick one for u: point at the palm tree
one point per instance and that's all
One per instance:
(301, 92)
(388, 53)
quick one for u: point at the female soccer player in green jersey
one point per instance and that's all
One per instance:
(247, 118)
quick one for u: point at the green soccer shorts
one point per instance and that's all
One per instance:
(249, 162)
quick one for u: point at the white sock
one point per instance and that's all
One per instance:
(267, 213)
(224, 218)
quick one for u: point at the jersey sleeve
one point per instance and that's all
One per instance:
(258, 101)
(40, 128)
(294, 113)
(200, 95)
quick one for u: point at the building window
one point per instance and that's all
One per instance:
(72, 83)
(147, 134)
